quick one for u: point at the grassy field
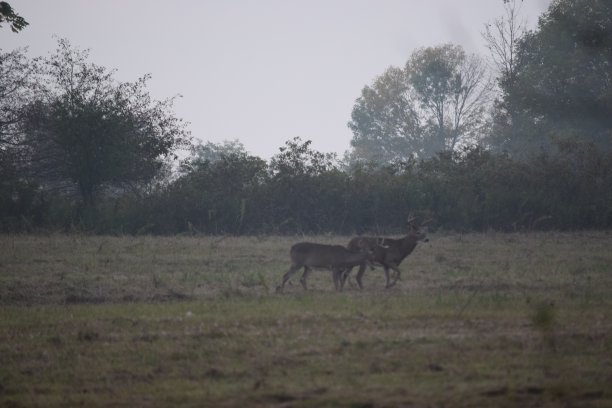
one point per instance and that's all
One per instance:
(477, 320)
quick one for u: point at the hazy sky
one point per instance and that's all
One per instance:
(262, 71)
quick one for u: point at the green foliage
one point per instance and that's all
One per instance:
(543, 316)
(8, 15)
(297, 158)
(90, 133)
(302, 188)
(434, 104)
(452, 87)
(215, 196)
(212, 152)
(468, 190)
(562, 88)
(384, 121)
(18, 87)
(81, 151)
(20, 205)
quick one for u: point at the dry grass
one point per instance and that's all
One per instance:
(478, 320)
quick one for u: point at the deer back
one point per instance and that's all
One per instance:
(325, 256)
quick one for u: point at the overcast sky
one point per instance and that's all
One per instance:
(261, 71)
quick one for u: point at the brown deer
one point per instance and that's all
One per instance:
(334, 257)
(387, 252)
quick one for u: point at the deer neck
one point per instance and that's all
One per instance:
(409, 242)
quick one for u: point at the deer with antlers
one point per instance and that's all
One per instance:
(388, 252)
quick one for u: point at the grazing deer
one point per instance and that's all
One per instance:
(387, 252)
(335, 257)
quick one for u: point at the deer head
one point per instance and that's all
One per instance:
(415, 228)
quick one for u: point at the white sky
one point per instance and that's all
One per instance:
(261, 71)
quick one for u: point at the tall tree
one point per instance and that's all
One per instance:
(433, 104)
(18, 87)
(563, 81)
(90, 132)
(502, 37)
(453, 89)
(385, 120)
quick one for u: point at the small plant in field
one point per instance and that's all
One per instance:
(231, 292)
(543, 319)
(439, 258)
(88, 334)
(156, 279)
(262, 281)
(188, 276)
(249, 280)
(254, 279)
(543, 316)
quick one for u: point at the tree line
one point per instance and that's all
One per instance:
(529, 147)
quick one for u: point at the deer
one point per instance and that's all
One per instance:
(387, 252)
(337, 258)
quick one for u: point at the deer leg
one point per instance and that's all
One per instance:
(359, 276)
(397, 274)
(307, 271)
(386, 267)
(286, 277)
(345, 274)
(338, 275)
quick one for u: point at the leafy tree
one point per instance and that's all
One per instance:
(452, 88)
(300, 187)
(219, 196)
(297, 158)
(18, 87)
(434, 104)
(212, 152)
(8, 15)
(90, 133)
(385, 120)
(215, 151)
(563, 85)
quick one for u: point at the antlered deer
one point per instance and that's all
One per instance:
(387, 252)
(334, 257)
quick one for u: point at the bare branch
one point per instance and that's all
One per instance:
(501, 37)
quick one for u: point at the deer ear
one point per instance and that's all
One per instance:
(411, 219)
(426, 222)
